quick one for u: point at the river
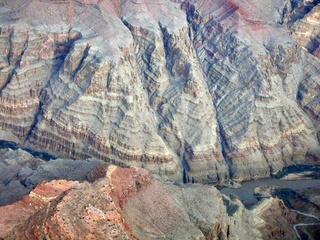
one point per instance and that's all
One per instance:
(245, 192)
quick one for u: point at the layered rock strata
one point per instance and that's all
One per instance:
(307, 30)
(252, 73)
(195, 91)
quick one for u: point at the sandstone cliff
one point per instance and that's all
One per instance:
(194, 91)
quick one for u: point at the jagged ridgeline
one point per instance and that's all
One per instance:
(194, 91)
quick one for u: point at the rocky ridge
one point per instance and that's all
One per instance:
(214, 90)
(20, 172)
(129, 203)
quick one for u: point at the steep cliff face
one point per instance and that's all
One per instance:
(254, 69)
(194, 91)
(306, 26)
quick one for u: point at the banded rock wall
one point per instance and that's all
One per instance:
(192, 90)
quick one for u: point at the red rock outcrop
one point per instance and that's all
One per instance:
(19, 220)
(129, 203)
(126, 203)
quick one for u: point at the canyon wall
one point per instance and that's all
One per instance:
(194, 91)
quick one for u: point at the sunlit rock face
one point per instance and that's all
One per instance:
(89, 199)
(126, 203)
(194, 91)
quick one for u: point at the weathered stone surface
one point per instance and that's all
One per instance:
(30, 210)
(129, 203)
(307, 30)
(294, 210)
(20, 172)
(252, 70)
(126, 203)
(278, 220)
(194, 91)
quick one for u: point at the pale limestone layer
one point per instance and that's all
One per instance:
(196, 91)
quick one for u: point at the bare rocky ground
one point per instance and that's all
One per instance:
(305, 204)
(108, 202)
(60, 199)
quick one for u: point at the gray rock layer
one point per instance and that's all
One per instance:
(199, 91)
